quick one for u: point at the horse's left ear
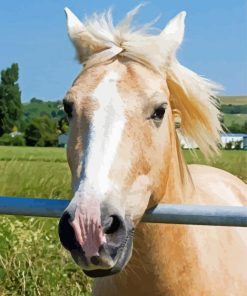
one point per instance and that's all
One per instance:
(174, 31)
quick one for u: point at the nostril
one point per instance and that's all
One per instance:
(66, 232)
(113, 225)
(95, 260)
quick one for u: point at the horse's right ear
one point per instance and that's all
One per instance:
(83, 41)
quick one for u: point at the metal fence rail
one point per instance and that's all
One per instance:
(163, 213)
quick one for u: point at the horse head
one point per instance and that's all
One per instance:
(122, 133)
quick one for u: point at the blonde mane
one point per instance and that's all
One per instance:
(98, 40)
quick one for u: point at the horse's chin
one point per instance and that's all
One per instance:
(123, 259)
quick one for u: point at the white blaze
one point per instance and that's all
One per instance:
(105, 134)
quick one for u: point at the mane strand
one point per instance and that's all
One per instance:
(195, 97)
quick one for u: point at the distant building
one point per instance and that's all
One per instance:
(62, 140)
(185, 142)
(188, 144)
(228, 141)
(234, 140)
(15, 133)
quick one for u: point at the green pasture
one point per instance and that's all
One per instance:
(32, 261)
(233, 161)
(229, 119)
(50, 154)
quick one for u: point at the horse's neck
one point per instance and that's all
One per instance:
(154, 248)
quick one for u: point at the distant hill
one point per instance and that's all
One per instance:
(36, 108)
(234, 109)
(233, 100)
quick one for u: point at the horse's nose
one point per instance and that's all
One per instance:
(112, 224)
(98, 236)
(78, 231)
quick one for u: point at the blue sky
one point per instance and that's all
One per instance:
(33, 34)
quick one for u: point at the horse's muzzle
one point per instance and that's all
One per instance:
(99, 238)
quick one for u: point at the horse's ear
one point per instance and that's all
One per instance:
(177, 118)
(174, 31)
(83, 41)
(74, 25)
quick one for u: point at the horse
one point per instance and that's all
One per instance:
(124, 155)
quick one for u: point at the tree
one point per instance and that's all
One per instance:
(10, 99)
(34, 100)
(41, 131)
(63, 125)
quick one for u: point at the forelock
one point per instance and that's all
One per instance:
(137, 43)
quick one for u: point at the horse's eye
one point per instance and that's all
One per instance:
(68, 108)
(158, 113)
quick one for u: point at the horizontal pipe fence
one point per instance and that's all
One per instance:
(162, 213)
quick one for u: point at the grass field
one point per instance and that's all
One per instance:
(32, 260)
(236, 118)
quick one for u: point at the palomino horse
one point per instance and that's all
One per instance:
(124, 155)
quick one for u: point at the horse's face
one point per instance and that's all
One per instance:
(118, 130)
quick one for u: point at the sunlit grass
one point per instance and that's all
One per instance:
(233, 161)
(32, 260)
(229, 119)
(34, 178)
(33, 153)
